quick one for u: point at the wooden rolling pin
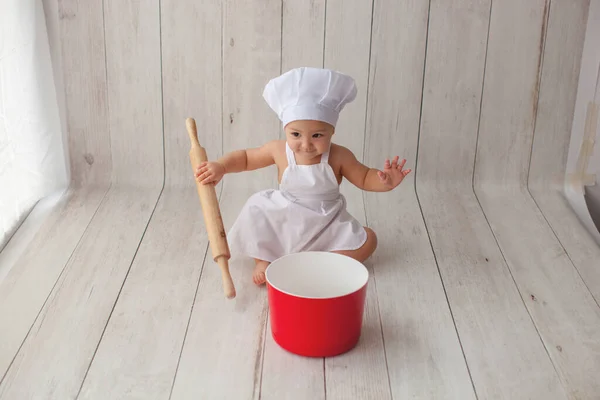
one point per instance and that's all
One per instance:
(210, 209)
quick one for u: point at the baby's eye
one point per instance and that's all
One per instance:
(295, 134)
(316, 135)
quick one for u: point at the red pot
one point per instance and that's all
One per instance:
(316, 302)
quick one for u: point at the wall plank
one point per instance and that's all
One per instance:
(362, 372)
(502, 348)
(225, 338)
(561, 306)
(510, 92)
(141, 346)
(85, 85)
(284, 375)
(303, 34)
(423, 353)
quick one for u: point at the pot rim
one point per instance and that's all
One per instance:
(329, 254)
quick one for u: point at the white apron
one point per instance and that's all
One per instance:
(307, 213)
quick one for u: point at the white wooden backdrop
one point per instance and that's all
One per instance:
(583, 161)
(484, 285)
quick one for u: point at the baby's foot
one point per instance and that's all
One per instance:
(258, 276)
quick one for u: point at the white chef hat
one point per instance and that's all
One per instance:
(309, 93)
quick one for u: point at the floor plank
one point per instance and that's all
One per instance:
(141, 345)
(225, 338)
(25, 289)
(289, 376)
(580, 246)
(504, 352)
(565, 313)
(423, 352)
(362, 373)
(62, 342)
(19, 242)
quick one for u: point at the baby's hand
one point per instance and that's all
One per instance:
(209, 172)
(393, 174)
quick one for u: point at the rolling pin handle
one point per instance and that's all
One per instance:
(228, 287)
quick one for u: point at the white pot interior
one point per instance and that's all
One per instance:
(317, 275)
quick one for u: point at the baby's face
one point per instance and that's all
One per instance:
(308, 138)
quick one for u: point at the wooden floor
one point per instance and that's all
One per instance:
(468, 296)
(484, 285)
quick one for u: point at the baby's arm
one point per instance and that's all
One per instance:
(211, 172)
(371, 179)
(248, 159)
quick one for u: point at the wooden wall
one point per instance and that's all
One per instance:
(449, 69)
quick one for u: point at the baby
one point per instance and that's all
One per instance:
(307, 212)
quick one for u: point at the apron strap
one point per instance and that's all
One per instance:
(290, 154)
(325, 156)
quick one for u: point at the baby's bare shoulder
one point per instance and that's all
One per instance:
(340, 154)
(277, 149)
(277, 146)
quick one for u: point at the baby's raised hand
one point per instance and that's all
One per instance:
(209, 172)
(393, 174)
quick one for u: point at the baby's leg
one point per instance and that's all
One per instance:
(258, 276)
(365, 251)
